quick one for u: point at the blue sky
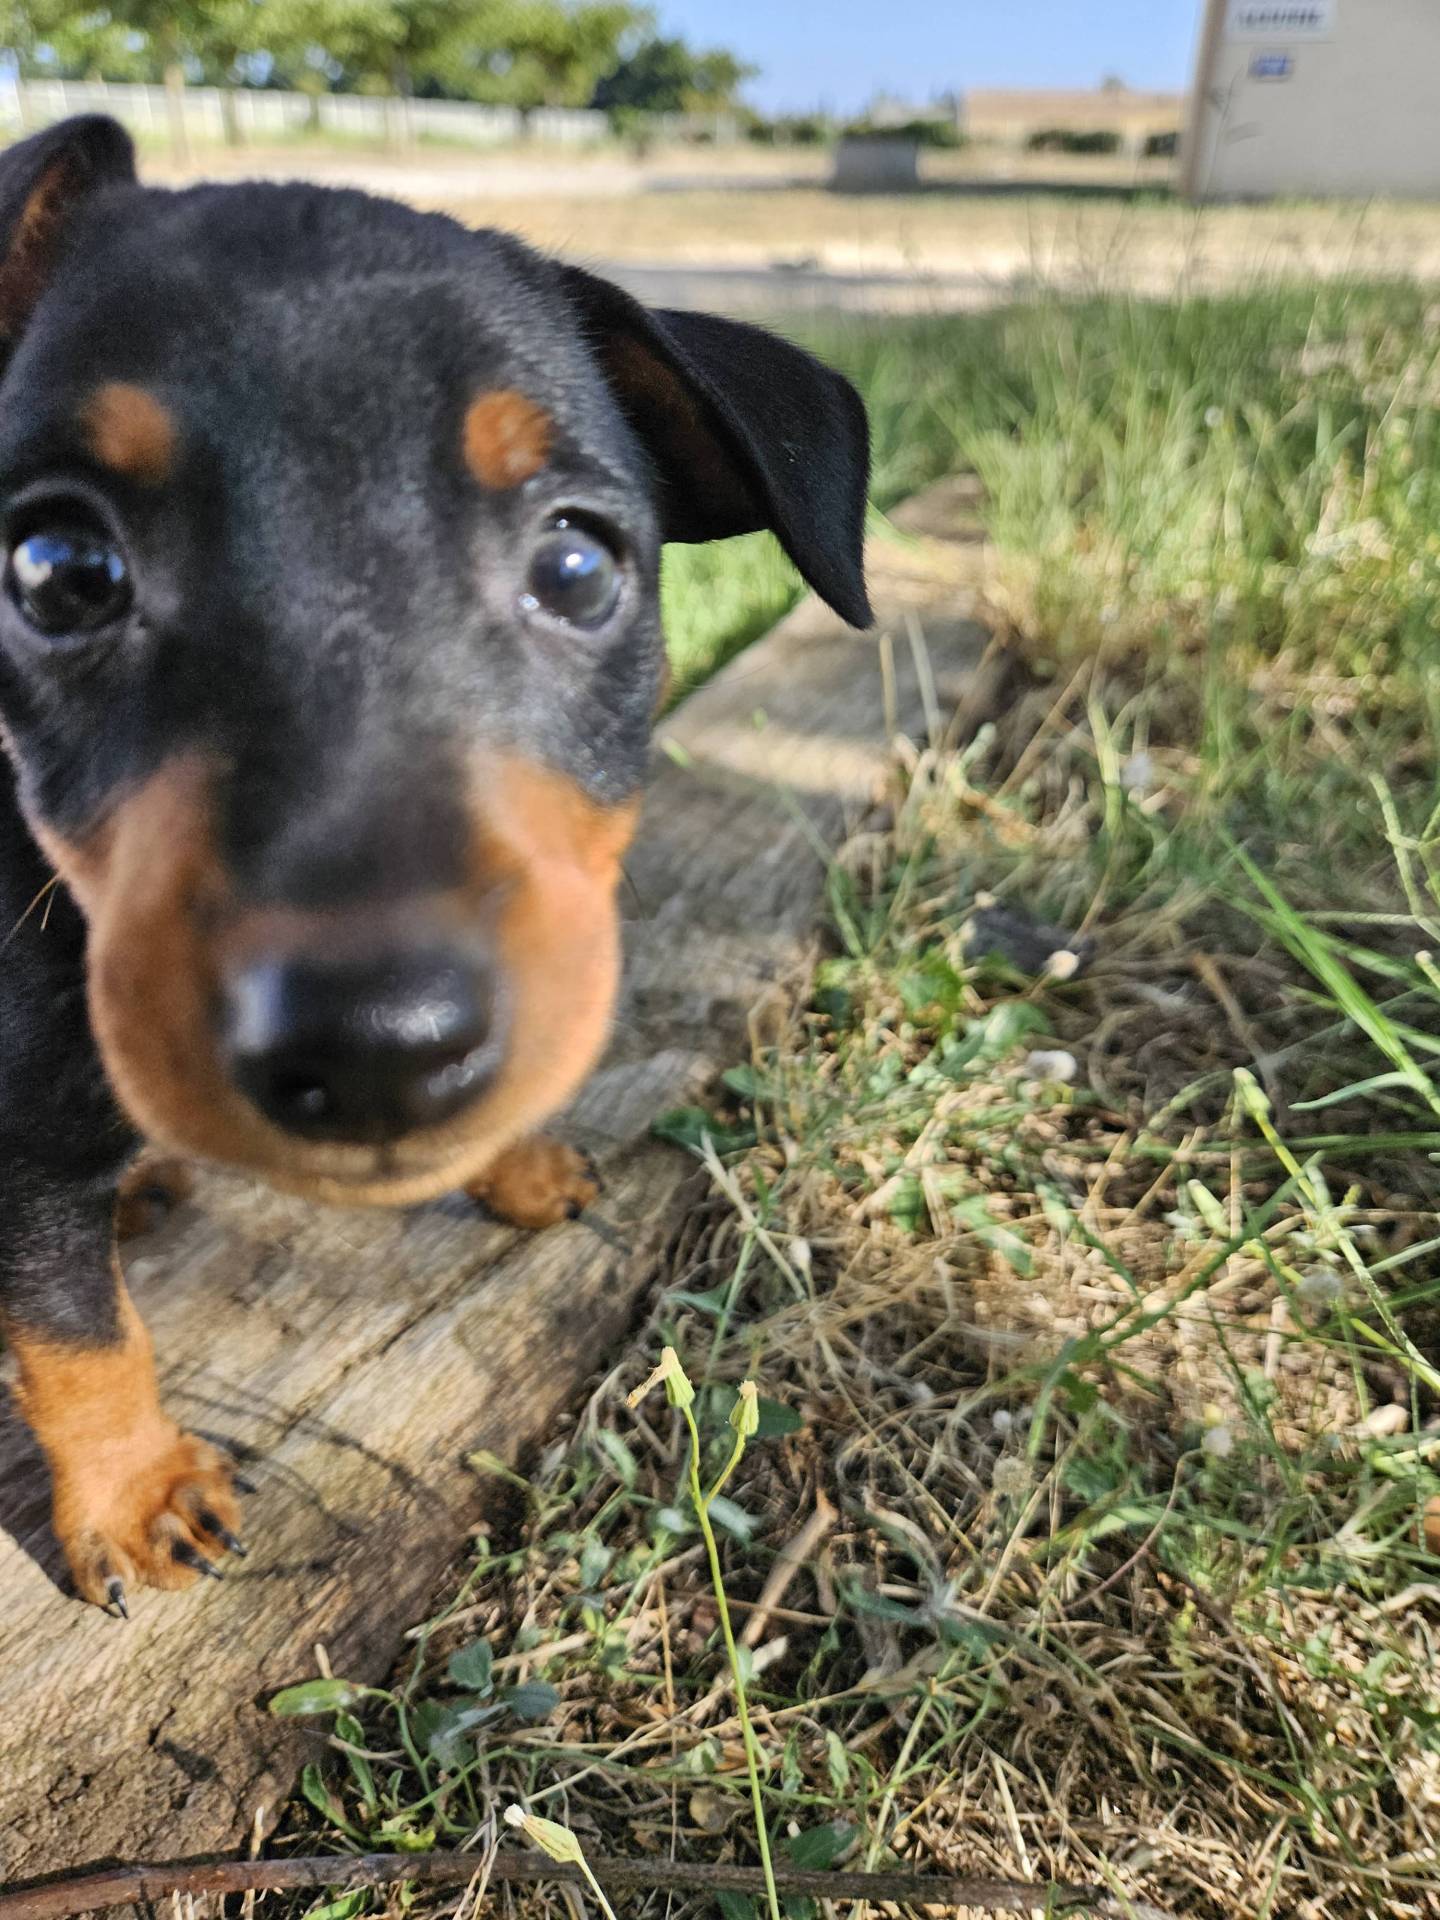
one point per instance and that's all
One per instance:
(837, 53)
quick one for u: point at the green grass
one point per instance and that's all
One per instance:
(1095, 1320)
(717, 599)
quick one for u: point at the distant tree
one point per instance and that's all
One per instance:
(524, 53)
(538, 53)
(228, 35)
(669, 76)
(125, 40)
(792, 130)
(384, 47)
(355, 42)
(56, 40)
(174, 31)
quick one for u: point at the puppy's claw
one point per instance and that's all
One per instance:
(189, 1556)
(589, 1174)
(144, 1530)
(212, 1524)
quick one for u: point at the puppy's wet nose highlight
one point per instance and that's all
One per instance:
(362, 1051)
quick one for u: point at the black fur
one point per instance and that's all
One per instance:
(327, 600)
(63, 1143)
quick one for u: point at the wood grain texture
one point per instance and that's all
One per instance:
(354, 1359)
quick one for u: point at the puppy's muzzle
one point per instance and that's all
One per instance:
(362, 1051)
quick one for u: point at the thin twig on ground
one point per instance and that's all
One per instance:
(120, 1886)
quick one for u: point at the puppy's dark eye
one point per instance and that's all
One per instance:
(573, 575)
(68, 580)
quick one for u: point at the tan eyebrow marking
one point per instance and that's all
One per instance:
(129, 431)
(507, 437)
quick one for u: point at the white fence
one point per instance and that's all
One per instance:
(259, 115)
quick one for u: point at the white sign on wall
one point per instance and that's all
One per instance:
(1281, 19)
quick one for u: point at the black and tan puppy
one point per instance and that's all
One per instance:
(329, 644)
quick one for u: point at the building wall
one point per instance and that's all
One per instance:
(1330, 97)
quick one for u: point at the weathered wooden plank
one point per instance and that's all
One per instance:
(357, 1357)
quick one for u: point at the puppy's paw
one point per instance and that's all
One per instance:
(148, 1193)
(537, 1183)
(154, 1510)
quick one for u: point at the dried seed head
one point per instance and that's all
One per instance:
(548, 1835)
(1137, 774)
(745, 1414)
(670, 1373)
(1011, 1477)
(1252, 1098)
(1321, 1287)
(1051, 1063)
(1208, 1207)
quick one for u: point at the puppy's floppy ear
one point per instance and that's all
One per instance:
(42, 181)
(745, 430)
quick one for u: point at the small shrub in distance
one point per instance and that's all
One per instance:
(791, 130)
(1073, 140)
(929, 133)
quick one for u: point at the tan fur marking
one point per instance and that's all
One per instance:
(506, 438)
(130, 432)
(128, 1485)
(544, 870)
(145, 880)
(536, 1183)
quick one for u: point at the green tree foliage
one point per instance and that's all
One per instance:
(538, 53)
(669, 76)
(520, 53)
(130, 42)
(366, 45)
(525, 53)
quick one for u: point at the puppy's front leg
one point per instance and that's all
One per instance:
(136, 1501)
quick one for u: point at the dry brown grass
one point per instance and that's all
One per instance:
(1097, 223)
(1095, 1313)
(1078, 245)
(1109, 1569)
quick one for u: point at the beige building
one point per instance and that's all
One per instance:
(1335, 97)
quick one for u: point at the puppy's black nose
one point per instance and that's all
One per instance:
(364, 1053)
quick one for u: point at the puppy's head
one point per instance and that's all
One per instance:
(329, 639)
